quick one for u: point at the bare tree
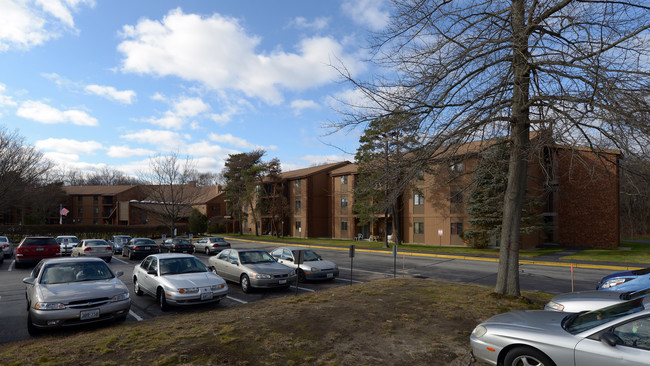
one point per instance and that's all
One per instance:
(472, 70)
(21, 167)
(107, 176)
(170, 187)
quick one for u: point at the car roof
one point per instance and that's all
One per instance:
(248, 250)
(294, 248)
(72, 260)
(171, 255)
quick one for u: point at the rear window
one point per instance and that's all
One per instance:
(39, 241)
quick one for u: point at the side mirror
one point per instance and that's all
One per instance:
(610, 339)
(152, 272)
(29, 280)
(290, 259)
(119, 273)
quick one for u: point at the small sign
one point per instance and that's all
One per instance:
(352, 251)
(439, 232)
(191, 236)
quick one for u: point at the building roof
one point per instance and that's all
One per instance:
(306, 172)
(348, 169)
(96, 190)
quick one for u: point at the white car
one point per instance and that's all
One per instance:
(94, 248)
(313, 267)
(5, 244)
(177, 279)
(67, 242)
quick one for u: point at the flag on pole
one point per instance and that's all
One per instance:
(64, 211)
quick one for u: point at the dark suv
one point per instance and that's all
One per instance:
(34, 248)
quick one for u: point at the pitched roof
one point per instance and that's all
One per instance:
(348, 169)
(96, 190)
(306, 172)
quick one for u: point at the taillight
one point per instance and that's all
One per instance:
(109, 248)
(87, 249)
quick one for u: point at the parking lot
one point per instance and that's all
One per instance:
(367, 265)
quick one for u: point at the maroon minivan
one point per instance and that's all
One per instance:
(34, 248)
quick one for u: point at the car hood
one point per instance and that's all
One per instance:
(268, 268)
(587, 300)
(68, 292)
(198, 279)
(529, 321)
(318, 264)
(618, 274)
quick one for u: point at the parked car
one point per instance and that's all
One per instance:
(33, 249)
(610, 336)
(177, 279)
(575, 302)
(211, 245)
(626, 280)
(140, 247)
(63, 292)
(7, 250)
(94, 248)
(118, 241)
(176, 245)
(67, 242)
(313, 267)
(251, 268)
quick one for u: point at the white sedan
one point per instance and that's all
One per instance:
(177, 279)
(93, 248)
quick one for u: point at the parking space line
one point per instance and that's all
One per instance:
(11, 266)
(119, 260)
(348, 280)
(135, 315)
(302, 288)
(239, 301)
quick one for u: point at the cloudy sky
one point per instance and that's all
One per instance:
(94, 83)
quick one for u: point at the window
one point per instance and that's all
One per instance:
(344, 179)
(298, 205)
(344, 226)
(418, 199)
(80, 211)
(456, 197)
(635, 333)
(418, 227)
(297, 186)
(456, 167)
(96, 210)
(344, 202)
(95, 198)
(456, 228)
(80, 199)
(298, 226)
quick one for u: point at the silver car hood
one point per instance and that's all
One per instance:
(272, 268)
(587, 300)
(67, 292)
(546, 323)
(197, 279)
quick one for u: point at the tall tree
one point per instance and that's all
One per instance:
(169, 185)
(472, 70)
(241, 176)
(275, 201)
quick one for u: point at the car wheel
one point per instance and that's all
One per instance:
(245, 283)
(108, 260)
(207, 251)
(120, 318)
(162, 300)
(526, 356)
(301, 276)
(136, 287)
(131, 255)
(31, 328)
(123, 253)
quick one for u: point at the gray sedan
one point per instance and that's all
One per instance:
(575, 302)
(64, 292)
(610, 336)
(313, 266)
(177, 279)
(93, 248)
(252, 268)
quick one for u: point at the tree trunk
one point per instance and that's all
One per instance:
(508, 275)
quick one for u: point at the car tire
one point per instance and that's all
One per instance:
(131, 255)
(527, 356)
(136, 287)
(31, 328)
(120, 318)
(108, 260)
(162, 300)
(245, 283)
(207, 251)
(301, 276)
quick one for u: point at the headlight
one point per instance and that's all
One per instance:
(614, 282)
(555, 306)
(262, 276)
(216, 287)
(191, 290)
(314, 269)
(479, 331)
(49, 306)
(120, 297)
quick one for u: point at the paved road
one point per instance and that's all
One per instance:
(367, 265)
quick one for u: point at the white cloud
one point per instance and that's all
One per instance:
(300, 104)
(217, 52)
(182, 109)
(231, 140)
(164, 140)
(317, 24)
(370, 13)
(26, 24)
(127, 152)
(6, 100)
(68, 146)
(61, 158)
(204, 148)
(109, 92)
(44, 113)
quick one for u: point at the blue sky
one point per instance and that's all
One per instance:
(95, 83)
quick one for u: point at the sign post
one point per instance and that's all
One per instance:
(351, 261)
(440, 235)
(298, 256)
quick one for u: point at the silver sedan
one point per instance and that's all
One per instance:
(252, 268)
(313, 266)
(610, 336)
(64, 292)
(93, 248)
(575, 302)
(177, 279)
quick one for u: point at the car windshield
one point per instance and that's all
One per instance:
(581, 322)
(96, 242)
(181, 241)
(254, 257)
(75, 272)
(307, 255)
(144, 242)
(181, 265)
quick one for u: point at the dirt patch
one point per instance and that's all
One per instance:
(388, 322)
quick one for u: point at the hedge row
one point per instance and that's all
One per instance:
(17, 232)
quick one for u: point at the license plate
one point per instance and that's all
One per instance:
(185, 251)
(330, 275)
(206, 296)
(282, 282)
(40, 249)
(89, 314)
(146, 248)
